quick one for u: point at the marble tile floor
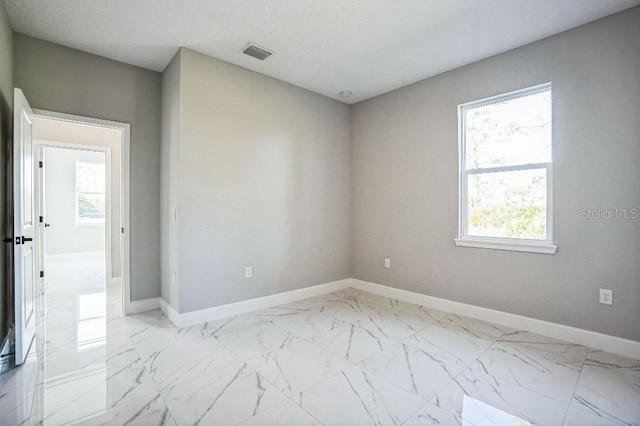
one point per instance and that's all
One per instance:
(344, 358)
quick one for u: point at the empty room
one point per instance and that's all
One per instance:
(420, 212)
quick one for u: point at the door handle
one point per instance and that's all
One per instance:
(7, 240)
(46, 225)
(26, 239)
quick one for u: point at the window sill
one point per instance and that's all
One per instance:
(531, 247)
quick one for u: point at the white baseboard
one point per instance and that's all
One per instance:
(145, 305)
(188, 319)
(592, 339)
(171, 313)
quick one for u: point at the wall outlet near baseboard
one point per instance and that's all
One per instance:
(606, 296)
(248, 272)
(387, 263)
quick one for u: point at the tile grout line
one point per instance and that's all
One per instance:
(586, 354)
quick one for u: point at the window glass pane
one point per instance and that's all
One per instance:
(508, 204)
(91, 208)
(90, 188)
(90, 177)
(512, 131)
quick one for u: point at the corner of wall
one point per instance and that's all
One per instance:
(169, 179)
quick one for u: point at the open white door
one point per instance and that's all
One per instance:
(24, 227)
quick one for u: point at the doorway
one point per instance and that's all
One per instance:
(75, 252)
(82, 203)
(94, 197)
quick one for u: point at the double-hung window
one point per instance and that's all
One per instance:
(506, 172)
(90, 193)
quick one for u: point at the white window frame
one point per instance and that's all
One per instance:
(78, 222)
(501, 243)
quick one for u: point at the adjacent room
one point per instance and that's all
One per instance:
(320, 212)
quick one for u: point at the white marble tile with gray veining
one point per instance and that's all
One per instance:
(398, 324)
(550, 373)
(213, 328)
(171, 339)
(286, 413)
(559, 350)
(417, 366)
(297, 366)
(386, 302)
(168, 366)
(477, 413)
(608, 390)
(95, 390)
(474, 326)
(432, 415)
(255, 339)
(423, 311)
(351, 309)
(300, 321)
(226, 397)
(476, 387)
(148, 411)
(353, 341)
(457, 343)
(354, 397)
(17, 388)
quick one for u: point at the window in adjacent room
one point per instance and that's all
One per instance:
(506, 174)
(90, 193)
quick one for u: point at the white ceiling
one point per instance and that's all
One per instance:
(365, 46)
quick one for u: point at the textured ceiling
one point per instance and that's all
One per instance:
(367, 47)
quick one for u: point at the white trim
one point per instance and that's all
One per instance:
(516, 245)
(188, 319)
(171, 313)
(115, 282)
(145, 305)
(592, 339)
(125, 152)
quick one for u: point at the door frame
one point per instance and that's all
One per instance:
(125, 172)
(39, 192)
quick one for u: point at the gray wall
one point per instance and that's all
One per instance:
(64, 236)
(169, 178)
(264, 178)
(405, 183)
(65, 80)
(6, 140)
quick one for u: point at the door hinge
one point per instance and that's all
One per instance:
(40, 164)
(41, 274)
(122, 230)
(41, 219)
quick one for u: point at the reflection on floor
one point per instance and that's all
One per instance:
(344, 358)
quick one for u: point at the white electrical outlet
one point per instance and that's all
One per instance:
(248, 273)
(387, 263)
(606, 296)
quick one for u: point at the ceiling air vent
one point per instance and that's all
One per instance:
(257, 52)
